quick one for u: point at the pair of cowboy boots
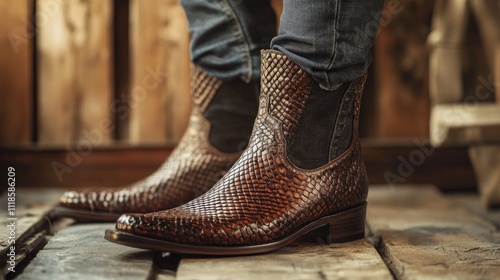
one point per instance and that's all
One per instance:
(301, 170)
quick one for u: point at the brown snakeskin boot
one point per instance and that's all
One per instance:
(265, 202)
(193, 167)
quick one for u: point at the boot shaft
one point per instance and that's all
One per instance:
(317, 125)
(226, 110)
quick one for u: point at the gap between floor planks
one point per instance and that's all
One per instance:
(32, 222)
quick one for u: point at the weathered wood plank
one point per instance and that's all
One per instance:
(165, 277)
(159, 97)
(423, 235)
(23, 250)
(74, 71)
(30, 217)
(31, 212)
(81, 252)
(16, 60)
(400, 61)
(308, 259)
(177, 88)
(472, 203)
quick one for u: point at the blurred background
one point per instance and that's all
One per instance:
(96, 92)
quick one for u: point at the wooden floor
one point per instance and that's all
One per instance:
(413, 232)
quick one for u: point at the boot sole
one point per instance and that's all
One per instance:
(85, 215)
(346, 226)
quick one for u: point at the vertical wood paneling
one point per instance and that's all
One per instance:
(16, 79)
(178, 99)
(97, 73)
(278, 9)
(159, 97)
(56, 65)
(496, 70)
(74, 70)
(401, 71)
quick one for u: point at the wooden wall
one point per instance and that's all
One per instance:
(69, 88)
(107, 72)
(159, 98)
(400, 71)
(16, 74)
(74, 51)
(119, 70)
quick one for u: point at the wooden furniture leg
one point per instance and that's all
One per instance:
(486, 162)
(448, 31)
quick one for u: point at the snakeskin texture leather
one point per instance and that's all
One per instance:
(264, 197)
(193, 167)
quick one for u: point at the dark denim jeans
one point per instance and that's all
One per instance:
(329, 39)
